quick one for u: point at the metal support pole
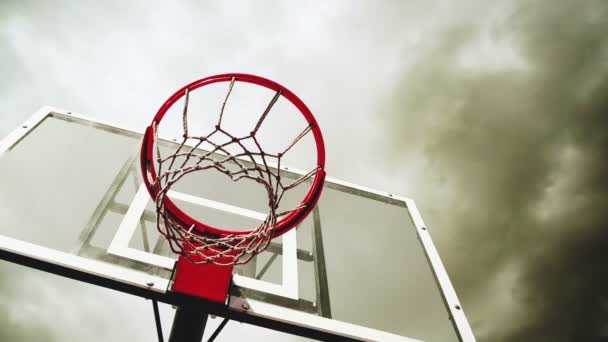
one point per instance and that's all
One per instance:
(188, 324)
(159, 327)
(218, 330)
(322, 284)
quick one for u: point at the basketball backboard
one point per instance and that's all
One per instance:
(362, 266)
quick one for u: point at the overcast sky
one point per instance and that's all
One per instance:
(491, 114)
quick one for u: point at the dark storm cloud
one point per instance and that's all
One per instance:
(517, 150)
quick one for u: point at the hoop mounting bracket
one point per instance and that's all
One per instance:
(207, 281)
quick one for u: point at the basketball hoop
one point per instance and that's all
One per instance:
(202, 243)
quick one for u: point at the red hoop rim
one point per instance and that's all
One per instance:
(285, 223)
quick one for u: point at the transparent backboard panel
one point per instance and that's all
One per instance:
(74, 186)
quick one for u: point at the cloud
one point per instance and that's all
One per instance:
(12, 328)
(509, 113)
(495, 113)
(38, 306)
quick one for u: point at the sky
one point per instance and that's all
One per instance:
(490, 114)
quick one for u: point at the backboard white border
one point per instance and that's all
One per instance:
(259, 309)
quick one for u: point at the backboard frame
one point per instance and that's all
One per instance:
(252, 311)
